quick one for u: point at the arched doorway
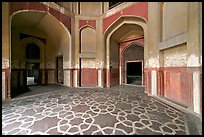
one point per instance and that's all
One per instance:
(37, 40)
(88, 50)
(133, 65)
(119, 36)
(32, 64)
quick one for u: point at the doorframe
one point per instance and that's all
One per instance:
(32, 61)
(60, 56)
(126, 70)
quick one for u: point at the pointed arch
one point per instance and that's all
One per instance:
(116, 25)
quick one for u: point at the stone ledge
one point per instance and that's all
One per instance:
(174, 41)
(88, 55)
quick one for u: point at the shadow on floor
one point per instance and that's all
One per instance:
(35, 89)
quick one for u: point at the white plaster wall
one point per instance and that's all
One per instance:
(66, 64)
(88, 40)
(5, 63)
(175, 56)
(90, 8)
(193, 61)
(174, 19)
(91, 63)
(154, 62)
(67, 78)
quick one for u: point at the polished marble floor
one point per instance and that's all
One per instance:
(120, 110)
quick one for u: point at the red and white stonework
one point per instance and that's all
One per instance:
(84, 44)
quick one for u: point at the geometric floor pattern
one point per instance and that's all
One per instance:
(120, 110)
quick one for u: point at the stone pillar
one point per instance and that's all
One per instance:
(67, 78)
(120, 73)
(154, 82)
(75, 78)
(152, 57)
(107, 77)
(108, 67)
(194, 52)
(99, 78)
(3, 86)
(6, 68)
(100, 56)
(193, 59)
(196, 92)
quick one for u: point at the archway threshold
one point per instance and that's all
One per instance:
(133, 85)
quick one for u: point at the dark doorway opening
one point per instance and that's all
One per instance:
(32, 67)
(32, 51)
(32, 73)
(134, 73)
(60, 70)
(28, 75)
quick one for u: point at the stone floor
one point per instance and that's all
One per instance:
(120, 110)
(35, 89)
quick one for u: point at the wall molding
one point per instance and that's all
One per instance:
(174, 41)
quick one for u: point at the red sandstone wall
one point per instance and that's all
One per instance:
(174, 83)
(138, 9)
(89, 77)
(7, 81)
(147, 75)
(83, 23)
(114, 76)
(178, 85)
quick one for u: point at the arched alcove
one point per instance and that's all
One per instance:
(88, 72)
(121, 26)
(55, 42)
(132, 64)
(88, 40)
(32, 51)
(174, 21)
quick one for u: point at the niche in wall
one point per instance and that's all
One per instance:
(174, 19)
(88, 40)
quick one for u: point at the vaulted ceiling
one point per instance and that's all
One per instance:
(127, 31)
(41, 21)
